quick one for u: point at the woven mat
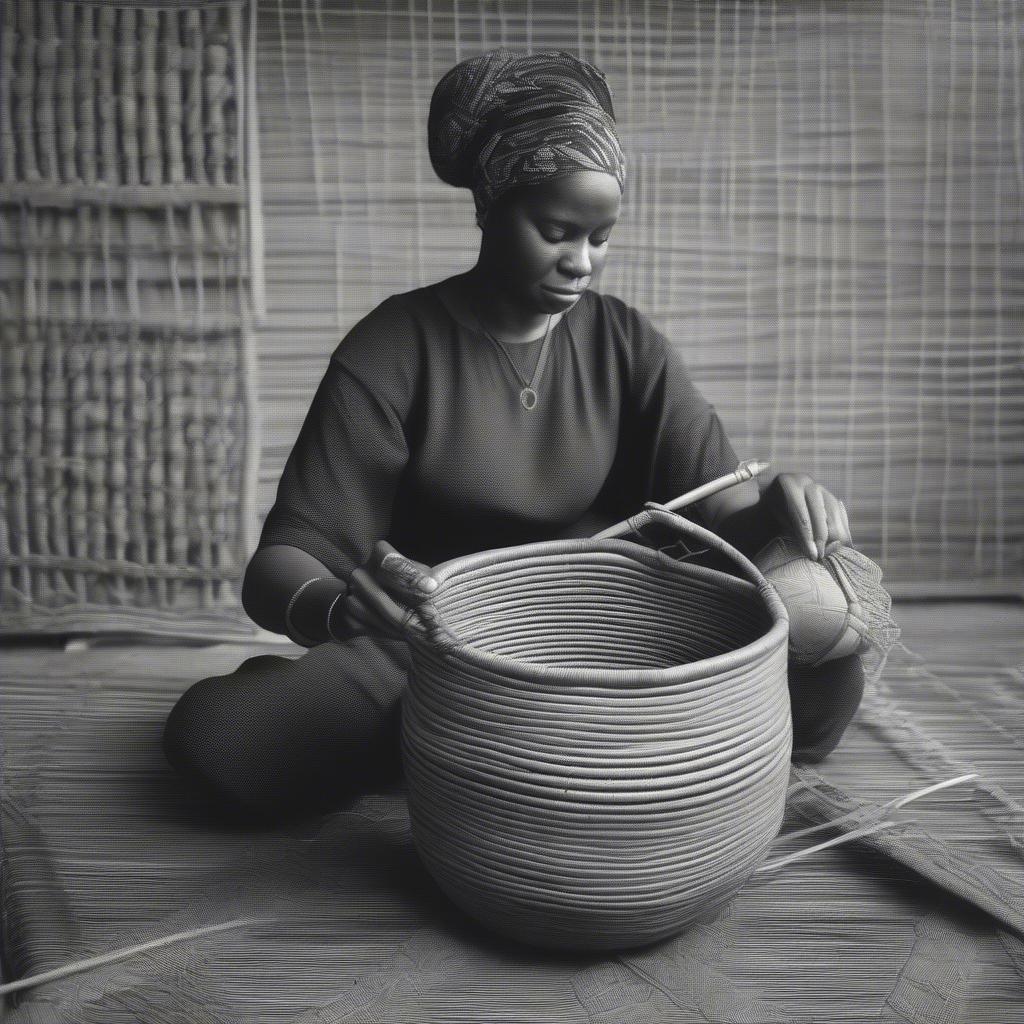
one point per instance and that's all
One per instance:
(104, 848)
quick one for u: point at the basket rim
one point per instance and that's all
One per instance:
(617, 678)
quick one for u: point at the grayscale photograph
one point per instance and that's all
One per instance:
(511, 511)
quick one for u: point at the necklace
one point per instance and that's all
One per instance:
(528, 395)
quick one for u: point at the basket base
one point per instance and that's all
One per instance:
(579, 930)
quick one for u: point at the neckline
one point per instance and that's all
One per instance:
(476, 331)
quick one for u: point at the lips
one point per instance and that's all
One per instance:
(563, 291)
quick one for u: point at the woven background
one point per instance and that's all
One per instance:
(823, 210)
(126, 351)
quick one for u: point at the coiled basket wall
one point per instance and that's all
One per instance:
(597, 750)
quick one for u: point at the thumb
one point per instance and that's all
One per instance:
(411, 575)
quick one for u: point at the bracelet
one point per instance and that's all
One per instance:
(330, 632)
(293, 634)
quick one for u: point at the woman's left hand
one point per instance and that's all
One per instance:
(809, 512)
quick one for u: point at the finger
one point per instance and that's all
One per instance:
(377, 602)
(410, 571)
(359, 618)
(435, 626)
(815, 494)
(404, 578)
(799, 517)
(836, 526)
(846, 523)
(397, 576)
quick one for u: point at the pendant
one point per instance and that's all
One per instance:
(528, 397)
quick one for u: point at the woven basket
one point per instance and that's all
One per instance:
(597, 752)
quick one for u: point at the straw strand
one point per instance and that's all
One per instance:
(122, 954)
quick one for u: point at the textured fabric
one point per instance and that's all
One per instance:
(131, 410)
(416, 434)
(503, 119)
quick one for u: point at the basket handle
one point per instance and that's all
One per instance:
(655, 513)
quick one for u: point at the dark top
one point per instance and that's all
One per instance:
(416, 434)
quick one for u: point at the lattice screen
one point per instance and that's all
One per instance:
(823, 211)
(127, 230)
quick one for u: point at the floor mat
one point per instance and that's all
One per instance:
(104, 848)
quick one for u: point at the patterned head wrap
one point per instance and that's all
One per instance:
(503, 119)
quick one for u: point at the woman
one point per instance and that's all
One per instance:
(505, 405)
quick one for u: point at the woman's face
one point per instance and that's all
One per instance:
(544, 243)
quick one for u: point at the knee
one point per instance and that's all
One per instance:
(823, 701)
(196, 722)
(197, 742)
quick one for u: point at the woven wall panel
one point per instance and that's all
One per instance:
(119, 95)
(131, 495)
(130, 442)
(823, 212)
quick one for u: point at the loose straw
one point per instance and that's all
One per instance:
(122, 954)
(891, 805)
(838, 841)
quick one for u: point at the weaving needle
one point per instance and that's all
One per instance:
(746, 470)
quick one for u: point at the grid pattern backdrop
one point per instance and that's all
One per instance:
(823, 211)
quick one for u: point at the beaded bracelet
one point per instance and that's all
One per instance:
(293, 634)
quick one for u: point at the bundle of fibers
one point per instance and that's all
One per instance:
(836, 607)
(597, 751)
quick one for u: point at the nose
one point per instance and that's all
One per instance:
(576, 262)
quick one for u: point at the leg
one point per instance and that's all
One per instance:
(824, 700)
(284, 736)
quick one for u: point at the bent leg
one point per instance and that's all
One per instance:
(823, 701)
(284, 736)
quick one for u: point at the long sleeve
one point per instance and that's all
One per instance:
(274, 575)
(676, 434)
(337, 490)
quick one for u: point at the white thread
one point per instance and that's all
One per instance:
(891, 805)
(121, 954)
(838, 841)
(933, 789)
(293, 633)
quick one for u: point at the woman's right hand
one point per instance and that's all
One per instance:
(381, 592)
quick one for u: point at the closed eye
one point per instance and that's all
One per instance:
(556, 233)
